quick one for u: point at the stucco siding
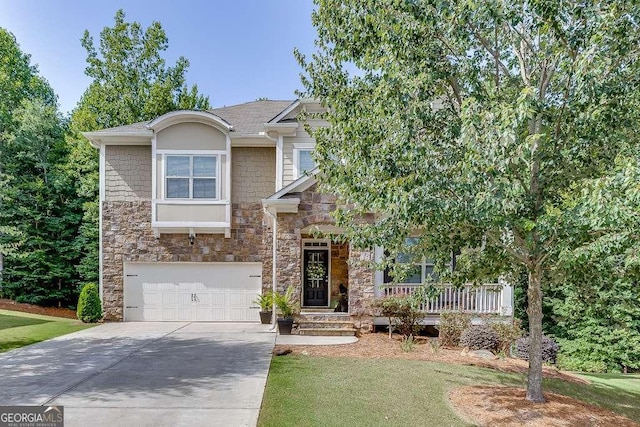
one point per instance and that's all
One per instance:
(253, 174)
(127, 173)
(191, 136)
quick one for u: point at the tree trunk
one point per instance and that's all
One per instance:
(534, 310)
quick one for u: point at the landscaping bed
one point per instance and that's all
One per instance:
(378, 345)
(506, 406)
(7, 304)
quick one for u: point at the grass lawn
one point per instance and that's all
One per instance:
(319, 391)
(19, 329)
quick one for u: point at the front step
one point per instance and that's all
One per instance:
(317, 310)
(322, 326)
(307, 315)
(319, 324)
(327, 332)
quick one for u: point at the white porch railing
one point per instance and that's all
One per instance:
(492, 298)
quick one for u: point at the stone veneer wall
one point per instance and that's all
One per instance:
(315, 208)
(128, 237)
(339, 268)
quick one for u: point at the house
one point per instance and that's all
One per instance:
(202, 210)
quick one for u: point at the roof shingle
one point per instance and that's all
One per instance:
(249, 117)
(246, 118)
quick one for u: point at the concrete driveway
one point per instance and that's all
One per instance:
(145, 374)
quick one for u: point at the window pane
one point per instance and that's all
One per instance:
(177, 188)
(204, 188)
(428, 271)
(305, 161)
(414, 275)
(178, 165)
(204, 166)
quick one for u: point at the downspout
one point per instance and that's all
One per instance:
(274, 245)
(274, 240)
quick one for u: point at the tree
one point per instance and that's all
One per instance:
(131, 83)
(35, 198)
(475, 123)
(19, 80)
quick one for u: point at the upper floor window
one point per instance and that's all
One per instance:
(303, 159)
(191, 177)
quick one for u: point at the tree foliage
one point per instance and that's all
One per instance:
(37, 199)
(476, 123)
(131, 83)
(596, 315)
(19, 80)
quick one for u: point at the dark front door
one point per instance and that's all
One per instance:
(316, 277)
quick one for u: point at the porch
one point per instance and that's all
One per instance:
(478, 300)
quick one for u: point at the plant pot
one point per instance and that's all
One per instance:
(285, 326)
(265, 317)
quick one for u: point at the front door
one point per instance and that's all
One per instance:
(316, 277)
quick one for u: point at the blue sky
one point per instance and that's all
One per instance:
(239, 50)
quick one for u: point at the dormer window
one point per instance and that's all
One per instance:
(302, 159)
(191, 177)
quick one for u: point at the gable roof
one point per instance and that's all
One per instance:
(247, 118)
(297, 186)
(126, 129)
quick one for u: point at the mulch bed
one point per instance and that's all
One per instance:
(7, 304)
(380, 346)
(506, 406)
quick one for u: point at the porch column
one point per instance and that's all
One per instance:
(361, 287)
(289, 255)
(506, 303)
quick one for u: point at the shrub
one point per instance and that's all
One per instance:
(601, 350)
(549, 349)
(508, 333)
(403, 313)
(481, 337)
(408, 344)
(452, 323)
(89, 306)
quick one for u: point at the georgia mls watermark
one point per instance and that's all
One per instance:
(31, 416)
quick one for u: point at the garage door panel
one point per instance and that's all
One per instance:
(192, 292)
(236, 314)
(167, 314)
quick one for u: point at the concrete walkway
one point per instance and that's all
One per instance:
(313, 340)
(145, 374)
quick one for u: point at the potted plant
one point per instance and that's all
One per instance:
(286, 309)
(265, 301)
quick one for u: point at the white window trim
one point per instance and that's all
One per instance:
(297, 148)
(191, 155)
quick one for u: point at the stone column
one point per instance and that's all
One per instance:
(361, 288)
(289, 255)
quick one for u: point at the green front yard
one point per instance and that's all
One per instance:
(19, 329)
(319, 391)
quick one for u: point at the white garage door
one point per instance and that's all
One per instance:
(197, 292)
